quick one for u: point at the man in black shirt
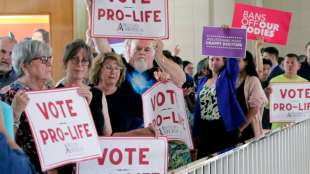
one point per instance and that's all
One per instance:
(304, 70)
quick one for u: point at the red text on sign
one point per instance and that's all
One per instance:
(160, 99)
(160, 119)
(136, 16)
(290, 107)
(56, 109)
(295, 93)
(116, 156)
(75, 132)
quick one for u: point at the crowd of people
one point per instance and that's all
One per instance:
(226, 99)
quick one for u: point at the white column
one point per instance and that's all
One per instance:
(80, 22)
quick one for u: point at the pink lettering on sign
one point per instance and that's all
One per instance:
(56, 109)
(159, 99)
(116, 156)
(141, 16)
(295, 93)
(75, 132)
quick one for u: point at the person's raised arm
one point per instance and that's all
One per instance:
(258, 56)
(107, 130)
(101, 44)
(176, 73)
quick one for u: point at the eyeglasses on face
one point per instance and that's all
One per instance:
(44, 59)
(76, 61)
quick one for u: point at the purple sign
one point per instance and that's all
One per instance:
(226, 42)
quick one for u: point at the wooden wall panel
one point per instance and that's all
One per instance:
(61, 22)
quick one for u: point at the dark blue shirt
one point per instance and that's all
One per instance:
(304, 70)
(7, 78)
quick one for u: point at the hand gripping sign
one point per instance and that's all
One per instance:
(289, 102)
(163, 105)
(62, 127)
(272, 25)
(144, 19)
(130, 155)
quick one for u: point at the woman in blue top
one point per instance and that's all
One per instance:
(218, 115)
(13, 159)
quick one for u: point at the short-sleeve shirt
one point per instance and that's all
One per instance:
(283, 79)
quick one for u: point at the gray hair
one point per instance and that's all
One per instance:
(25, 51)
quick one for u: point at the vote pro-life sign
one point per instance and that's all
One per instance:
(289, 102)
(164, 106)
(62, 127)
(271, 25)
(128, 155)
(144, 19)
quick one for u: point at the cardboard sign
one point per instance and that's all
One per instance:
(134, 155)
(144, 19)
(62, 127)
(289, 102)
(271, 25)
(164, 106)
(218, 41)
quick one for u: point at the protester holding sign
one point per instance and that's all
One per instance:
(107, 75)
(77, 60)
(291, 66)
(141, 75)
(32, 62)
(251, 97)
(218, 115)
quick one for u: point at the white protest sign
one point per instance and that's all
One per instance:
(134, 155)
(289, 102)
(62, 127)
(144, 19)
(164, 106)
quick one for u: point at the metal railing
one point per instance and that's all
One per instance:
(285, 151)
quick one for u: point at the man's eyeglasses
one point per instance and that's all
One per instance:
(44, 59)
(76, 61)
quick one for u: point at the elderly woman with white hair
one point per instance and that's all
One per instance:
(32, 62)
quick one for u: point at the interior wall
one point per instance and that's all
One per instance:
(61, 22)
(187, 19)
(299, 33)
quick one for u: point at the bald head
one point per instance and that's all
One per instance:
(6, 46)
